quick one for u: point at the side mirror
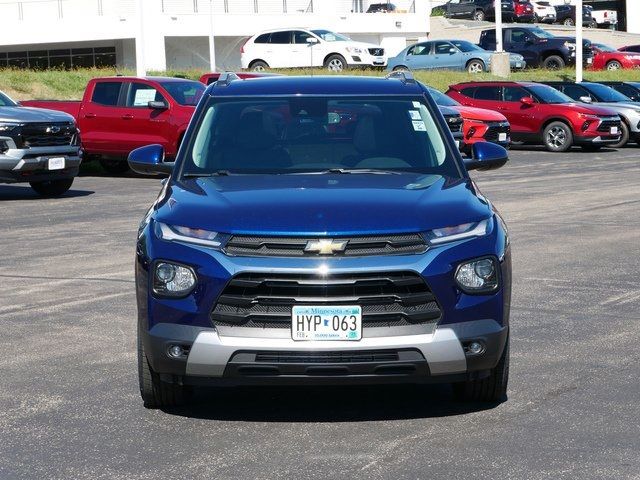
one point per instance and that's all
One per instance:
(452, 51)
(586, 99)
(312, 41)
(528, 101)
(157, 105)
(149, 160)
(486, 156)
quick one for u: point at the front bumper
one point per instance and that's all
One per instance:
(214, 359)
(366, 60)
(30, 165)
(217, 354)
(599, 140)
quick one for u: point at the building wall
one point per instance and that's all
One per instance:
(176, 32)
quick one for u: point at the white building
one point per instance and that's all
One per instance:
(176, 33)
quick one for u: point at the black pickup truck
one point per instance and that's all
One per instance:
(538, 47)
(38, 146)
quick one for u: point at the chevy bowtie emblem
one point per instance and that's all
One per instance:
(53, 129)
(326, 246)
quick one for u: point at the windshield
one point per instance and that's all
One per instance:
(329, 36)
(540, 33)
(465, 46)
(6, 101)
(317, 134)
(604, 48)
(442, 99)
(548, 94)
(607, 94)
(185, 93)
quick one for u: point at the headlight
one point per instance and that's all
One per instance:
(459, 232)
(354, 50)
(478, 276)
(588, 116)
(173, 280)
(7, 127)
(197, 236)
(570, 46)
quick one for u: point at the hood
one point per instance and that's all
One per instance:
(619, 106)
(585, 42)
(340, 204)
(29, 114)
(591, 109)
(480, 114)
(362, 45)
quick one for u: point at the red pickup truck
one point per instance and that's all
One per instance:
(120, 114)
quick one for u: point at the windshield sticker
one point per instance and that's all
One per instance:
(414, 115)
(419, 126)
(143, 97)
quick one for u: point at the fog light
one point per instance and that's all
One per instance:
(475, 348)
(176, 351)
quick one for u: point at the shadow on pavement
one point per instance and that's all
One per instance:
(326, 404)
(22, 192)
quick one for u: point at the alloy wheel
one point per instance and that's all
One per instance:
(475, 67)
(557, 137)
(335, 65)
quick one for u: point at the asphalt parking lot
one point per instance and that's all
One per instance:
(69, 402)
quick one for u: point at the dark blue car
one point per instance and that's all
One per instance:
(321, 231)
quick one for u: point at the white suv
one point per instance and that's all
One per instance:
(298, 48)
(544, 12)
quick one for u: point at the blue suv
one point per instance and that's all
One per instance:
(321, 230)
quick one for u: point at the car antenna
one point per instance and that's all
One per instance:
(402, 75)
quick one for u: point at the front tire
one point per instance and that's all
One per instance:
(569, 22)
(335, 63)
(557, 137)
(114, 167)
(400, 68)
(489, 389)
(553, 62)
(479, 16)
(614, 65)
(154, 392)
(52, 188)
(475, 66)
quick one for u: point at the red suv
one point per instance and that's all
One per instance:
(524, 12)
(539, 114)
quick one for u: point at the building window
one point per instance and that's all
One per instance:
(65, 58)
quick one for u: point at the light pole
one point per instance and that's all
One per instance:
(212, 42)
(498, 14)
(141, 70)
(578, 41)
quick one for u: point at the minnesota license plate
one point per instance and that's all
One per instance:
(518, 64)
(589, 60)
(614, 130)
(55, 163)
(341, 322)
(502, 137)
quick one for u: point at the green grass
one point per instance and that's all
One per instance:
(69, 85)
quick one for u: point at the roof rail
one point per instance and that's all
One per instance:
(226, 78)
(404, 75)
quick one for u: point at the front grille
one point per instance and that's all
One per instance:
(495, 129)
(256, 246)
(356, 356)
(263, 300)
(607, 123)
(376, 52)
(454, 122)
(48, 134)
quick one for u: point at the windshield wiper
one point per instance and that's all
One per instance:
(217, 173)
(375, 171)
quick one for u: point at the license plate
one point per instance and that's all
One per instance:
(341, 322)
(502, 137)
(458, 144)
(518, 65)
(55, 163)
(614, 130)
(589, 60)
